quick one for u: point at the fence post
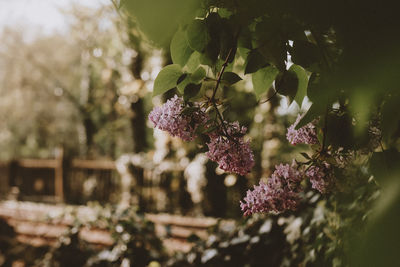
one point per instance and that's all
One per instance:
(58, 174)
(12, 180)
(12, 172)
(4, 177)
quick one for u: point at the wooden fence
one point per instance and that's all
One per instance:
(77, 181)
(152, 187)
(59, 179)
(35, 225)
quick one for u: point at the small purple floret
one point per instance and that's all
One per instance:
(321, 177)
(304, 135)
(169, 118)
(280, 193)
(232, 152)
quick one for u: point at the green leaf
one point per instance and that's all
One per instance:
(313, 112)
(191, 90)
(180, 49)
(194, 77)
(189, 110)
(263, 79)
(244, 53)
(224, 13)
(254, 62)
(197, 35)
(200, 129)
(167, 79)
(228, 42)
(305, 53)
(206, 128)
(384, 164)
(206, 60)
(198, 75)
(287, 85)
(230, 77)
(158, 19)
(194, 61)
(340, 130)
(314, 90)
(245, 38)
(293, 30)
(181, 85)
(320, 90)
(390, 118)
(210, 129)
(270, 42)
(218, 66)
(211, 52)
(181, 78)
(214, 25)
(305, 155)
(302, 84)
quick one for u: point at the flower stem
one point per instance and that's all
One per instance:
(219, 77)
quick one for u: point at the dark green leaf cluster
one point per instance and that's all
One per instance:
(328, 52)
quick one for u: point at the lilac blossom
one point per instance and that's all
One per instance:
(304, 135)
(321, 177)
(230, 150)
(280, 193)
(169, 118)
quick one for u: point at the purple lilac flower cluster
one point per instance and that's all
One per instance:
(321, 177)
(169, 118)
(280, 193)
(231, 152)
(305, 135)
(228, 149)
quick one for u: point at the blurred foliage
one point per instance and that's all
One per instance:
(318, 234)
(135, 242)
(72, 89)
(12, 251)
(159, 19)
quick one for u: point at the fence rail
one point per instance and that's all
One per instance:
(77, 181)
(132, 179)
(36, 225)
(51, 179)
(93, 164)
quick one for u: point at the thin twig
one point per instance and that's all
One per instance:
(324, 130)
(269, 98)
(212, 100)
(220, 74)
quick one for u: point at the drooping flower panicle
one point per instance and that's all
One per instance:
(227, 146)
(321, 177)
(231, 152)
(169, 118)
(280, 193)
(304, 135)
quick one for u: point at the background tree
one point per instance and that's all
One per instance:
(80, 88)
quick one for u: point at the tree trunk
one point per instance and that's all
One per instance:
(89, 134)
